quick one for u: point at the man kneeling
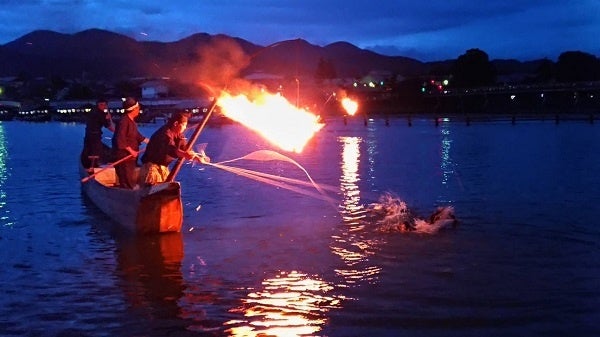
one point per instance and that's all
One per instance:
(166, 144)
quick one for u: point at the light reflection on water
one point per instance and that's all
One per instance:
(289, 304)
(351, 203)
(352, 244)
(446, 164)
(150, 268)
(4, 218)
(449, 171)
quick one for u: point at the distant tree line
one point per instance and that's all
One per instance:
(474, 69)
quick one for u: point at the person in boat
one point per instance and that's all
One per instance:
(126, 144)
(95, 152)
(167, 144)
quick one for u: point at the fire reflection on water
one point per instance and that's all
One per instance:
(352, 245)
(350, 178)
(289, 304)
(151, 269)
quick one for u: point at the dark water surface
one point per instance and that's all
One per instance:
(257, 260)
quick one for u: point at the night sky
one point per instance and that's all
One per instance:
(425, 30)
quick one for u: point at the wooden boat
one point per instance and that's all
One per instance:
(148, 210)
(155, 209)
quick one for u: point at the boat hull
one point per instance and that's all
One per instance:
(157, 209)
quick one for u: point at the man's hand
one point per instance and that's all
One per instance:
(200, 157)
(204, 159)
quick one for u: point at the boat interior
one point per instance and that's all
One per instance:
(108, 177)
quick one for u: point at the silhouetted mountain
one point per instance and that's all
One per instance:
(100, 54)
(348, 56)
(300, 58)
(91, 53)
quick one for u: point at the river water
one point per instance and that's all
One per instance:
(254, 259)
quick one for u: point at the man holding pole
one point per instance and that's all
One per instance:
(93, 148)
(167, 144)
(126, 144)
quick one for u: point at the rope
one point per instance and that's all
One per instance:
(278, 181)
(268, 155)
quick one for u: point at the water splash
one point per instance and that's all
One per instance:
(392, 215)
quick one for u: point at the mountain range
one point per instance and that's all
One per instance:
(96, 54)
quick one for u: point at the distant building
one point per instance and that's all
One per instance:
(154, 89)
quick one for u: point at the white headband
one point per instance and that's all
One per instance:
(136, 105)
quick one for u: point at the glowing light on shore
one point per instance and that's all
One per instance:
(273, 117)
(349, 105)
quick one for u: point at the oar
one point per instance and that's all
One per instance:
(190, 144)
(111, 165)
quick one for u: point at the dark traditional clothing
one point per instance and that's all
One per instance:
(95, 152)
(163, 145)
(126, 134)
(160, 152)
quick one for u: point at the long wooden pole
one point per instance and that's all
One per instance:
(111, 165)
(190, 144)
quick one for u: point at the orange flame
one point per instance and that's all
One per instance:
(273, 117)
(349, 105)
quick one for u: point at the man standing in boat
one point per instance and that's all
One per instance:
(126, 144)
(166, 144)
(94, 151)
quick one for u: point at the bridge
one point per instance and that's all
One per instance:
(579, 97)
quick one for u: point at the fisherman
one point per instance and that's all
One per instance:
(94, 151)
(167, 144)
(126, 144)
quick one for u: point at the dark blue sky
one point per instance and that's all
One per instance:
(425, 30)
